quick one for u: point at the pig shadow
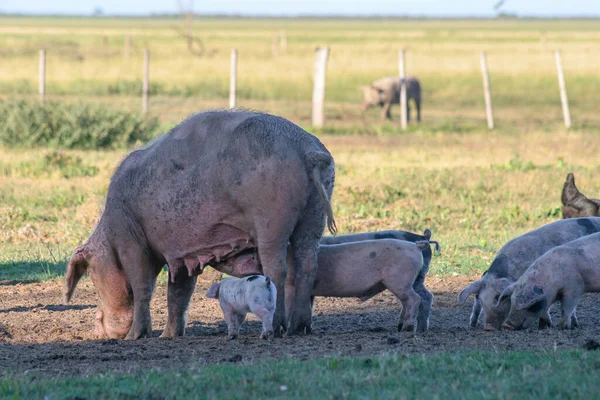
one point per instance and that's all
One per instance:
(49, 307)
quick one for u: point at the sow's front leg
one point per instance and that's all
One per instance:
(141, 272)
(179, 292)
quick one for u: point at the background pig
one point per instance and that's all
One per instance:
(386, 91)
(419, 285)
(365, 269)
(511, 262)
(562, 274)
(237, 297)
(575, 204)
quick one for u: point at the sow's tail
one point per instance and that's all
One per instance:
(427, 235)
(317, 161)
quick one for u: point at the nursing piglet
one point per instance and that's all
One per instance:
(237, 297)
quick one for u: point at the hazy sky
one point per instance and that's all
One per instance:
(299, 7)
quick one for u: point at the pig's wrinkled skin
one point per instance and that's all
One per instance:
(562, 274)
(386, 91)
(512, 261)
(237, 297)
(366, 268)
(419, 285)
(575, 204)
(220, 185)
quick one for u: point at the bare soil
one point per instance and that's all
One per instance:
(38, 333)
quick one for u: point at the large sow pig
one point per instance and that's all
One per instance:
(512, 261)
(220, 185)
(237, 297)
(419, 285)
(563, 274)
(575, 204)
(367, 268)
(386, 91)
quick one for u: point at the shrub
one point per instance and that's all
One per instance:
(27, 123)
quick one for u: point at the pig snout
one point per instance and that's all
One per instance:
(363, 107)
(489, 327)
(109, 326)
(98, 327)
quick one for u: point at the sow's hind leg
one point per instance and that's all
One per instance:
(179, 292)
(305, 245)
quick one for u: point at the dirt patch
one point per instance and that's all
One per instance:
(40, 334)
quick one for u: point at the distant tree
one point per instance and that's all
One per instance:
(194, 44)
(501, 13)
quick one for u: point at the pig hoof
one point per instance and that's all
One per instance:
(231, 337)
(137, 335)
(507, 327)
(167, 334)
(544, 325)
(267, 336)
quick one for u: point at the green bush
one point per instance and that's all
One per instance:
(27, 123)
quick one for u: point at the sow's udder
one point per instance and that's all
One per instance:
(244, 264)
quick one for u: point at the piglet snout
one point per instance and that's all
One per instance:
(489, 327)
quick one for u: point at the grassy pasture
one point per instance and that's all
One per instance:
(474, 189)
(85, 59)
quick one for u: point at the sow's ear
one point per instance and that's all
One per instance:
(213, 291)
(75, 270)
(473, 288)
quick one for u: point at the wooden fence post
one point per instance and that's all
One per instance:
(487, 92)
(318, 97)
(233, 79)
(146, 83)
(42, 78)
(402, 68)
(283, 41)
(127, 46)
(275, 45)
(563, 91)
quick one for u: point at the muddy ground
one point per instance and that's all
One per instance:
(38, 333)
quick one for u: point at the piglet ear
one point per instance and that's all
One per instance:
(528, 296)
(473, 288)
(506, 293)
(213, 291)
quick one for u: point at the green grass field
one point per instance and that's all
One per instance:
(473, 188)
(482, 375)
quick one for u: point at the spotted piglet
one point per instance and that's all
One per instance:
(255, 294)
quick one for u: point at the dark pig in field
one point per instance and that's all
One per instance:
(419, 284)
(366, 268)
(512, 261)
(386, 91)
(220, 185)
(563, 274)
(575, 204)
